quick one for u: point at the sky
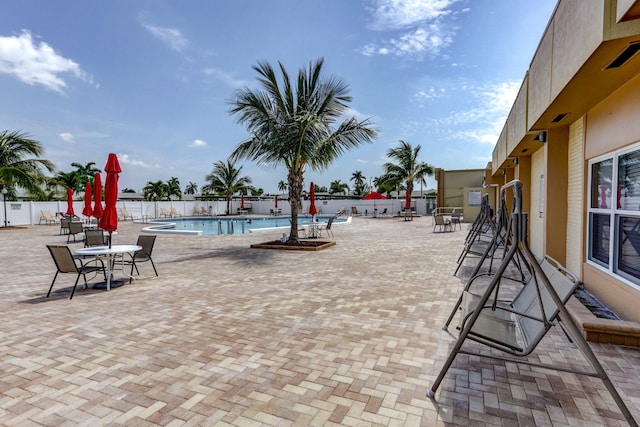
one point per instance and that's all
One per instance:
(152, 80)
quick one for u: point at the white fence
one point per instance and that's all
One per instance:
(29, 213)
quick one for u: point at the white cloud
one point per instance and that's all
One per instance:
(419, 24)
(37, 63)
(485, 121)
(172, 37)
(226, 78)
(125, 159)
(67, 137)
(198, 143)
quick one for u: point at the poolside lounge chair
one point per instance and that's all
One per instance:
(66, 263)
(164, 213)
(45, 215)
(126, 215)
(354, 211)
(175, 213)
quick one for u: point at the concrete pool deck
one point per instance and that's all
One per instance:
(229, 335)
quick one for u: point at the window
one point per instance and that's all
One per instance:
(614, 214)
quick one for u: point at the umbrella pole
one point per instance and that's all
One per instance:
(110, 236)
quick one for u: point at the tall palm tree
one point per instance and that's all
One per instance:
(291, 125)
(155, 191)
(360, 182)
(282, 186)
(173, 188)
(407, 167)
(68, 180)
(17, 168)
(338, 187)
(225, 179)
(191, 188)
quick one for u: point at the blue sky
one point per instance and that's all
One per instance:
(150, 80)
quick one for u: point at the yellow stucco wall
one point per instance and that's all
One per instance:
(575, 199)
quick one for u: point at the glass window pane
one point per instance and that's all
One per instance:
(600, 233)
(629, 181)
(601, 177)
(629, 246)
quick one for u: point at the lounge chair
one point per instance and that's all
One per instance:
(66, 263)
(45, 215)
(143, 255)
(341, 211)
(354, 211)
(175, 213)
(126, 215)
(164, 213)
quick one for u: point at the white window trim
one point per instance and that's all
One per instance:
(613, 213)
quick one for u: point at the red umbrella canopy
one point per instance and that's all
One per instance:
(407, 198)
(373, 196)
(109, 220)
(312, 198)
(97, 196)
(87, 211)
(70, 202)
(242, 201)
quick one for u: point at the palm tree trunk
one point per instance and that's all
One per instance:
(228, 204)
(295, 194)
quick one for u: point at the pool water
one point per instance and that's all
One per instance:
(214, 226)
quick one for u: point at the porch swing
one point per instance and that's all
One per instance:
(516, 327)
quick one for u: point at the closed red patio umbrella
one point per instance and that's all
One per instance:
(242, 201)
(70, 211)
(109, 220)
(87, 211)
(97, 196)
(312, 198)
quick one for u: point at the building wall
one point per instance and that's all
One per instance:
(576, 193)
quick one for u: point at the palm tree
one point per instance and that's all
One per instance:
(68, 180)
(85, 173)
(292, 126)
(407, 168)
(338, 187)
(155, 191)
(225, 179)
(360, 182)
(173, 188)
(282, 186)
(191, 188)
(18, 171)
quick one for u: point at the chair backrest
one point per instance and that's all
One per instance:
(75, 227)
(146, 241)
(124, 212)
(64, 223)
(63, 258)
(455, 215)
(354, 210)
(329, 223)
(94, 237)
(46, 214)
(439, 219)
(174, 211)
(527, 301)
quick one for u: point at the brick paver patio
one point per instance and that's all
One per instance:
(229, 335)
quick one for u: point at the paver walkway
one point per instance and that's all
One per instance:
(229, 335)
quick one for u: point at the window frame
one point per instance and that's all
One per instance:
(615, 214)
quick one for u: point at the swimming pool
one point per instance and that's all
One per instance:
(215, 226)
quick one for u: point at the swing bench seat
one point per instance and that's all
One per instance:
(517, 326)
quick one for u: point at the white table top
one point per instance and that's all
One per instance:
(106, 250)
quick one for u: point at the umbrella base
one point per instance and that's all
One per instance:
(114, 284)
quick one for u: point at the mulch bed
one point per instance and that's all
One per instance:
(302, 245)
